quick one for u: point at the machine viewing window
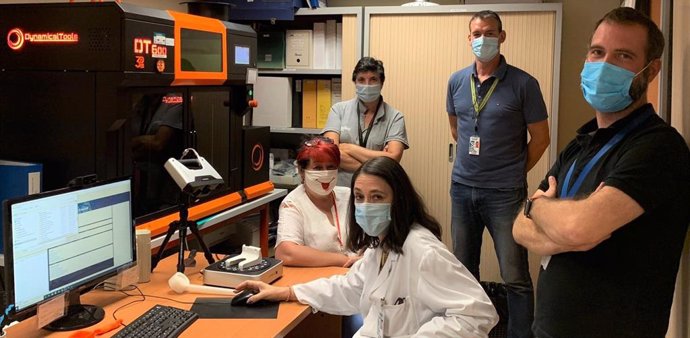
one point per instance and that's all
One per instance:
(201, 51)
(241, 55)
(65, 241)
(157, 130)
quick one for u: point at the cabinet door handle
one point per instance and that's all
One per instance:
(450, 152)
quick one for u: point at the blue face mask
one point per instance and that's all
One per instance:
(607, 87)
(485, 48)
(373, 218)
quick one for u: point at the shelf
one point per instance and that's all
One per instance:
(347, 10)
(305, 71)
(287, 130)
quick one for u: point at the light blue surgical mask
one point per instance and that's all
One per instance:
(373, 218)
(606, 87)
(485, 48)
(368, 93)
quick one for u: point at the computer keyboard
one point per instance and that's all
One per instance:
(160, 321)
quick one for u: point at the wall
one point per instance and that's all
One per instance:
(679, 325)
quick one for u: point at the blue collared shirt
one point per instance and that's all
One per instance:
(502, 125)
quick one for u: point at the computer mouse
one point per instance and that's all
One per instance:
(240, 299)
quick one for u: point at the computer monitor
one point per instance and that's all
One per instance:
(67, 240)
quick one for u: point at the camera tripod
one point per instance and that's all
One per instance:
(181, 227)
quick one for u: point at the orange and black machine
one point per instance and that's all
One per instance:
(115, 89)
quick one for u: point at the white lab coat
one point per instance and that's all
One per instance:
(441, 297)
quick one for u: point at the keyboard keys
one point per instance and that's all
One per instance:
(159, 322)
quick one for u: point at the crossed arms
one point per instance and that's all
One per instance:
(562, 225)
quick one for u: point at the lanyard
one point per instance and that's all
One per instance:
(569, 193)
(337, 221)
(363, 139)
(478, 106)
(384, 258)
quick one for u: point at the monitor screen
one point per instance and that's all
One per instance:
(241, 55)
(65, 240)
(201, 51)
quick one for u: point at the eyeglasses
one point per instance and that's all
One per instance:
(313, 142)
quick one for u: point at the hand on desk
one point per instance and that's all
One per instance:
(265, 291)
(351, 260)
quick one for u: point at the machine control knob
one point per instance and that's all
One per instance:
(253, 103)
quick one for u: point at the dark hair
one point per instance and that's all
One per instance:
(369, 64)
(629, 16)
(407, 207)
(487, 14)
(318, 148)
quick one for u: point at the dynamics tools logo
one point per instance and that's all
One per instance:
(257, 157)
(16, 38)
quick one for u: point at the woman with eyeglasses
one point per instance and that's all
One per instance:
(407, 282)
(366, 126)
(312, 222)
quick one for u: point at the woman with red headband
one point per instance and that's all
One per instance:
(313, 221)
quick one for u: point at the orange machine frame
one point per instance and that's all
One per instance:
(182, 20)
(159, 226)
(200, 23)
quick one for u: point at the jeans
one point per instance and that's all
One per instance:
(350, 325)
(496, 209)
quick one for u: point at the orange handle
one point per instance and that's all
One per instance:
(108, 327)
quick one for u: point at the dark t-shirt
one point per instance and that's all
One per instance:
(624, 286)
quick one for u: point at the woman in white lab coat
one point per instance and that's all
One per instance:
(407, 282)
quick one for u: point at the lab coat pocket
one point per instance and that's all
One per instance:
(399, 320)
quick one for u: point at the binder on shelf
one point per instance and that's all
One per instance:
(331, 44)
(274, 95)
(18, 179)
(298, 48)
(309, 103)
(297, 104)
(336, 90)
(339, 45)
(319, 45)
(323, 102)
(271, 50)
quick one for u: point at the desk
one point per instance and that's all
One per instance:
(260, 204)
(289, 314)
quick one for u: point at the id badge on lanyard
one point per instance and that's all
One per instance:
(475, 141)
(474, 145)
(381, 322)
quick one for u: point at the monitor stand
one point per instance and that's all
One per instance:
(78, 315)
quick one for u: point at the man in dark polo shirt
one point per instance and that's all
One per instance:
(612, 215)
(491, 107)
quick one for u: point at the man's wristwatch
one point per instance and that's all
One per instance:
(528, 207)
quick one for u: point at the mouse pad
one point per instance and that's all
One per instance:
(221, 308)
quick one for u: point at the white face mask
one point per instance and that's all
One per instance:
(368, 93)
(320, 182)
